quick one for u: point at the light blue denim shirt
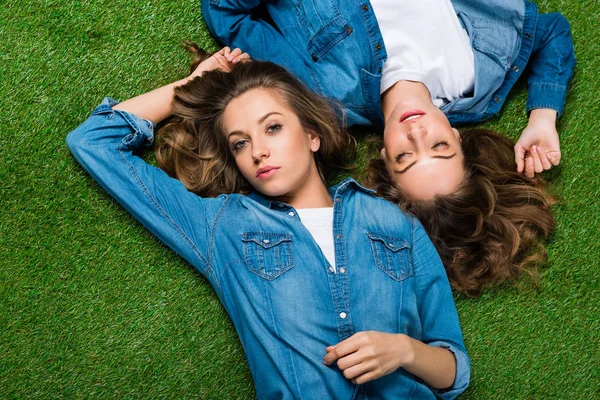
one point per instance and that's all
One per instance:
(336, 48)
(287, 305)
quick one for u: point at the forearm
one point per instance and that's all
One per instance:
(434, 365)
(155, 105)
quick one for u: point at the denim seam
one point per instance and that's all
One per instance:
(160, 210)
(209, 268)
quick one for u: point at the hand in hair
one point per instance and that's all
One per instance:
(223, 60)
(366, 356)
(538, 148)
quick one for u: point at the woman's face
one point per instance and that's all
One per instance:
(422, 151)
(270, 147)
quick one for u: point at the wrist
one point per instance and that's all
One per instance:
(407, 350)
(543, 116)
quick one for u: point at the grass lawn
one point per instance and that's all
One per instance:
(93, 306)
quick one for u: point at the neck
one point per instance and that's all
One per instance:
(400, 91)
(312, 194)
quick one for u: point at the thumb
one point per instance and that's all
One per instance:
(519, 157)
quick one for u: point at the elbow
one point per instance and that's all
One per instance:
(76, 143)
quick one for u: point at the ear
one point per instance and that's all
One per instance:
(383, 153)
(457, 134)
(315, 142)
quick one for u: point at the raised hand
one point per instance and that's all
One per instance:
(223, 60)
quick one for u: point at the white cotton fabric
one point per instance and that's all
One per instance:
(319, 222)
(425, 42)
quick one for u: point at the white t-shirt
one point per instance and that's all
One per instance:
(319, 222)
(425, 42)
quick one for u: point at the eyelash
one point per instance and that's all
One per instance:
(435, 145)
(271, 130)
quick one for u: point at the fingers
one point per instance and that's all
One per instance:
(237, 55)
(546, 164)
(224, 51)
(519, 157)
(341, 349)
(529, 166)
(233, 54)
(554, 156)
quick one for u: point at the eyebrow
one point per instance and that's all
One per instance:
(414, 162)
(260, 121)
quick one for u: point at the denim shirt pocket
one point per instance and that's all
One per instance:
(496, 38)
(327, 37)
(268, 255)
(392, 255)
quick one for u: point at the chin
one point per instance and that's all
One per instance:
(271, 189)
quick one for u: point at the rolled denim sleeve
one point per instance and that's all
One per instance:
(234, 24)
(441, 326)
(551, 64)
(105, 145)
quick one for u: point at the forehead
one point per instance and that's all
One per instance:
(431, 177)
(251, 106)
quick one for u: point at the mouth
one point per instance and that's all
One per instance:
(411, 115)
(266, 171)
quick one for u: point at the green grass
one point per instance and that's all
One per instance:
(92, 306)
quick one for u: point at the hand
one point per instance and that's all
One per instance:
(538, 148)
(223, 60)
(369, 355)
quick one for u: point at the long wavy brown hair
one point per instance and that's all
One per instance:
(193, 148)
(493, 227)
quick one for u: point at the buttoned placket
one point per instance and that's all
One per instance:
(339, 282)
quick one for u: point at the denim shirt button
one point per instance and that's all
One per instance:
(331, 269)
(497, 99)
(266, 241)
(378, 46)
(365, 7)
(343, 315)
(338, 236)
(527, 36)
(291, 213)
(342, 270)
(516, 69)
(337, 200)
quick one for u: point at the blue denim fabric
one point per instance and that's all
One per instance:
(273, 279)
(336, 48)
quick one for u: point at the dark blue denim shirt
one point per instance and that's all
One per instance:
(335, 47)
(271, 276)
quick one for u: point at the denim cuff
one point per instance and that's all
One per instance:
(463, 372)
(546, 95)
(143, 128)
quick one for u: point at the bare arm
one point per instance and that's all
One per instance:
(156, 104)
(366, 356)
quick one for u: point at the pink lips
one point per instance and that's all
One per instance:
(266, 171)
(411, 113)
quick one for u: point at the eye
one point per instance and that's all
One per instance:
(439, 144)
(273, 128)
(238, 145)
(400, 156)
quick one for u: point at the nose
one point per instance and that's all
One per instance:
(416, 132)
(260, 150)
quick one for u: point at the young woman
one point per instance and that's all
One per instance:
(420, 67)
(335, 293)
